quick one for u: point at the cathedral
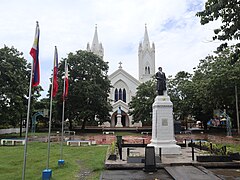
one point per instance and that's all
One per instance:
(124, 85)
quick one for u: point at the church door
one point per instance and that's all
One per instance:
(123, 120)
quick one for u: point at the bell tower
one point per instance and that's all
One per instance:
(146, 58)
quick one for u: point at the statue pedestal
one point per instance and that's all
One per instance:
(119, 122)
(163, 127)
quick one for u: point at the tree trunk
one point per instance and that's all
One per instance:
(205, 126)
(21, 125)
(70, 125)
(84, 124)
(186, 122)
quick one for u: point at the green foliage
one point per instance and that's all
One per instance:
(212, 86)
(218, 149)
(141, 104)
(14, 82)
(232, 148)
(89, 88)
(214, 81)
(228, 12)
(113, 148)
(14, 88)
(181, 93)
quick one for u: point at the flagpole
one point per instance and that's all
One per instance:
(27, 124)
(63, 113)
(49, 123)
(34, 53)
(61, 150)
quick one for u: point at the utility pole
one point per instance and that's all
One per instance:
(236, 97)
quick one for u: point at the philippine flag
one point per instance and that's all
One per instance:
(34, 53)
(55, 73)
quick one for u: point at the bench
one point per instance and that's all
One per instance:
(12, 142)
(69, 132)
(108, 132)
(144, 132)
(186, 132)
(81, 142)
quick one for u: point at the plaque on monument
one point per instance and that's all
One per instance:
(164, 122)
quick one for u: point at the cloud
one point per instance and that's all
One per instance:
(179, 38)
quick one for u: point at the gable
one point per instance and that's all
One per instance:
(122, 75)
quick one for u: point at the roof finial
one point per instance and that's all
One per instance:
(120, 64)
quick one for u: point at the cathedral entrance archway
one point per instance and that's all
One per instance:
(124, 119)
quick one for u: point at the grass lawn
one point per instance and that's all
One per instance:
(85, 162)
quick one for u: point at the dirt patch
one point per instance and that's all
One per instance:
(84, 173)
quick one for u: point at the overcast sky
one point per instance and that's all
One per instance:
(180, 40)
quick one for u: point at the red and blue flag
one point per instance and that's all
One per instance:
(34, 52)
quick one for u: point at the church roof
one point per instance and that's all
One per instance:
(121, 74)
(120, 103)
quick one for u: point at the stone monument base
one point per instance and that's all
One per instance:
(163, 127)
(167, 147)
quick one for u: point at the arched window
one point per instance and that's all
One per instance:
(120, 94)
(124, 95)
(148, 70)
(145, 70)
(116, 95)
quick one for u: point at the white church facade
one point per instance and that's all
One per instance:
(124, 85)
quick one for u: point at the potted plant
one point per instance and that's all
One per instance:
(112, 151)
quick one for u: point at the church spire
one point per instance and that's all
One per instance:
(96, 47)
(95, 42)
(146, 43)
(146, 58)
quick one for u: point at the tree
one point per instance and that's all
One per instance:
(228, 12)
(89, 89)
(141, 104)
(14, 86)
(214, 81)
(180, 91)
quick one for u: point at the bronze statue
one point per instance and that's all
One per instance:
(161, 81)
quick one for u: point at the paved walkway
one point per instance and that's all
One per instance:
(190, 173)
(180, 167)
(135, 175)
(167, 173)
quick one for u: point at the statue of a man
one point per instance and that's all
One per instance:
(161, 81)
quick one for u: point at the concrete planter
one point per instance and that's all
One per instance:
(213, 158)
(235, 156)
(112, 157)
